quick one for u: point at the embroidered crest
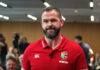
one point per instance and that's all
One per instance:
(36, 56)
(64, 55)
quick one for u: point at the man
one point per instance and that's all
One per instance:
(20, 60)
(15, 40)
(11, 63)
(3, 49)
(23, 45)
(1, 68)
(87, 50)
(53, 51)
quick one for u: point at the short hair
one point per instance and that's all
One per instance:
(79, 37)
(11, 57)
(52, 8)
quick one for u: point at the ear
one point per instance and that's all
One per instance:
(62, 22)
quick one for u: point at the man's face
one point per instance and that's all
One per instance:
(51, 23)
(77, 41)
(11, 65)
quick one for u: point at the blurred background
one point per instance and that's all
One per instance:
(82, 17)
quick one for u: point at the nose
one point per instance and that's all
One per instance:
(49, 23)
(11, 66)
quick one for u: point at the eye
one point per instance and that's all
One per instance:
(53, 20)
(45, 21)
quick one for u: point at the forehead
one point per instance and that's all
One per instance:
(11, 61)
(51, 13)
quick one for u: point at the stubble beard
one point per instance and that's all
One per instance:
(51, 35)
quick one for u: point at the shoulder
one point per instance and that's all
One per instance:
(73, 46)
(74, 49)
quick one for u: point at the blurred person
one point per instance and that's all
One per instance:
(3, 49)
(87, 50)
(17, 56)
(53, 51)
(16, 40)
(97, 58)
(20, 61)
(11, 62)
(23, 45)
(97, 61)
(1, 68)
(92, 61)
(10, 50)
(13, 51)
(10, 55)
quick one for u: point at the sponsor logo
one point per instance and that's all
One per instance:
(65, 62)
(64, 55)
(36, 56)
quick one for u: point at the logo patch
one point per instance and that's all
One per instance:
(65, 62)
(36, 56)
(64, 55)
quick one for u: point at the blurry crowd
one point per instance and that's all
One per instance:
(11, 58)
(93, 61)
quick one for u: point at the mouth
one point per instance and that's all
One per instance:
(50, 30)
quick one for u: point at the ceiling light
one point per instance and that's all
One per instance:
(92, 17)
(91, 4)
(63, 18)
(1, 16)
(32, 17)
(75, 11)
(3, 4)
(6, 17)
(46, 4)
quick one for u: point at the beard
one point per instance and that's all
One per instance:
(53, 34)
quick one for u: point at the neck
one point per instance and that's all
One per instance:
(53, 43)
